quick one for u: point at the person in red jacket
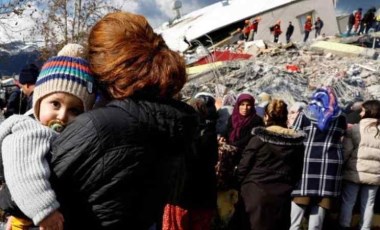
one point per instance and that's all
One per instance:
(247, 29)
(358, 19)
(254, 27)
(307, 28)
(276, 30)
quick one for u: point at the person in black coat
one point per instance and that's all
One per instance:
(351, 22)
(289, 32)
(318, 25)
(269, 169)
(122, 165)
(16, 103)
(203, 180)
(27, 80)
(368, 21)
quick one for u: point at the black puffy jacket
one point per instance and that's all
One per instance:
(117, 166)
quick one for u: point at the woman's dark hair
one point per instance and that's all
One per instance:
(200, 107)
(209, 101)
(372, 110)
(277, 112)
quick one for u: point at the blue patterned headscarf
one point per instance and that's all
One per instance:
(323, 107)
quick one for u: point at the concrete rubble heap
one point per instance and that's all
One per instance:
(292, 73)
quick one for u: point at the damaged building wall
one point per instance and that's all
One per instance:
(213, 20)
(296, 12)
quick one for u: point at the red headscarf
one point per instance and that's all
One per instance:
(239, 121)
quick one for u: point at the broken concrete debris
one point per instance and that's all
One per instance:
(292, 71)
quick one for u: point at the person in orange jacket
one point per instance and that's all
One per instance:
(308, 26)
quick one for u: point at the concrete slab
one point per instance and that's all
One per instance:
(338, 48)
(203, 68)
(343, 49)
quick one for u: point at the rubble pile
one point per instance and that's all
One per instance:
(291, 73)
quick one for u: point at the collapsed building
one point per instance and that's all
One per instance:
(290, 73)
(208, 40)
(219, 21)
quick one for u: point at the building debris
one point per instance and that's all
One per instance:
(291, 72)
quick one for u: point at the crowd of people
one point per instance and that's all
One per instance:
(108, 143)
(357, 23)
(250, 29)
(361, 24)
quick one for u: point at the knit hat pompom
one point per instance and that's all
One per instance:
(72, 50)
(66, 73)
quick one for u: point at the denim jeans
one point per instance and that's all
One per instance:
(367, 201)
(316, 217)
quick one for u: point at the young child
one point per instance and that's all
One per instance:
(64, 89)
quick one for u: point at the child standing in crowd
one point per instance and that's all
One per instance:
(64, 89)
(361, 174)
(323, 159)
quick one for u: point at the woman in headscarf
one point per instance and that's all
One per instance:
(242, 121)
(323, 158)
(239, 128)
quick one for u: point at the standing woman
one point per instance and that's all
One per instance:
(270, 166)
(116, 167)
(238, 134)
(323, 159)
(361, 174)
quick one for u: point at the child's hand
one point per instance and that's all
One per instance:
(9, 225)
(53, 221)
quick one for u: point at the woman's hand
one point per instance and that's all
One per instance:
(221, 140)
(52, 222)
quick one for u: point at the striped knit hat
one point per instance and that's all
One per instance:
(67, 73)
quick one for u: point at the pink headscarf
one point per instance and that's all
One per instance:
(239, 121)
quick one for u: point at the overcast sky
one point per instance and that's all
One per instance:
(159, 11)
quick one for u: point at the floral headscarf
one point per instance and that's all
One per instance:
(323, 107)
